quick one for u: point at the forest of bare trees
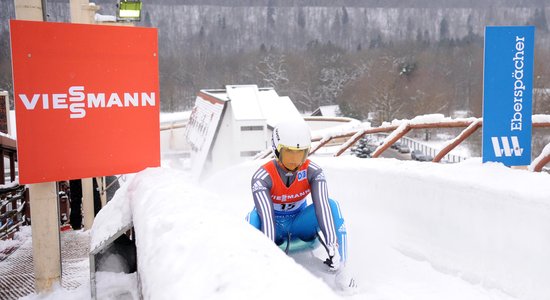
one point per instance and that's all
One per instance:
(392, 81)
(377, 59)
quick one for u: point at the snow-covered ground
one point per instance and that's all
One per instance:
(415, 230)
(435, 231)
(19, 238)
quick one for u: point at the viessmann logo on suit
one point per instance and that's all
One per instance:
(507, 98)
(77, 99)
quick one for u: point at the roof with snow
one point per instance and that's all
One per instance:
(326, 111)
(252, 103)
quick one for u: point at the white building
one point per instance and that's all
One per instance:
(231, 125)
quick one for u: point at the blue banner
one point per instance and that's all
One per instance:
(507, 94)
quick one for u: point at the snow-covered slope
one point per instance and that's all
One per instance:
(416, 231)
(189, 245)
(481, 229)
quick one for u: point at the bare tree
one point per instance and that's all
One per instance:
(376, 92)
(334, 77)
(541, 88)
(272, 69)
(6, 82)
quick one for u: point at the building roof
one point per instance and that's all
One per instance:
(249, 102)
(327, 111)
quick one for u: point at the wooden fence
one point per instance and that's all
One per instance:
(400, 129)
(14, 209)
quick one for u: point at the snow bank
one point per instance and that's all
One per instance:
(189, 245)
(540, 118)
(485, 223)
(18, 239)
(110, 219)
(431, 231)
(110, 286)
(478, 231)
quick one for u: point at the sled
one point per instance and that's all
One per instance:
(295, 245)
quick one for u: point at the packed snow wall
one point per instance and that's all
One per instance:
(487, 224)
(190, 243)
(484, 223)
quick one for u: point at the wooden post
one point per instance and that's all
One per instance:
(102, 190)
(28, 10)
(75, 6)
(45, 235)
(88, 202)
(43, 203)
(82, 12)
(2, 170)
(12, 166)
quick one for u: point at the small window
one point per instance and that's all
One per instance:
(252, 128)
(129, 10)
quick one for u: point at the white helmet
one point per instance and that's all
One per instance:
(292, 134)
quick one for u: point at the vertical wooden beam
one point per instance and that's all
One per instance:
(82, 12)
(88, 202)
(78, 14)
(102, 190)
(27, 199)
(28, 10)
(12, 166)
(45, 235)
(43, 203)
(2, 170)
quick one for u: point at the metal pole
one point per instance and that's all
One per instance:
(44, 11)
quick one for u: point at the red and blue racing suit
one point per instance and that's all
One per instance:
(281, 209)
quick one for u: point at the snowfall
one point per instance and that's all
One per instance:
(416, 230)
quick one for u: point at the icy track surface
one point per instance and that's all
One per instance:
(433, 231)
(415, 230)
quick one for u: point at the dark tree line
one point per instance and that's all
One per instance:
(415, 68)
(393, 80)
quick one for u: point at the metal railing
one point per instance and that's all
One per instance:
(396, 132)
(14, 209)
(429, 150)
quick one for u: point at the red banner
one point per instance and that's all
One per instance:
(86, 100)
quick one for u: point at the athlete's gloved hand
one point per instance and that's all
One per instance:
(333, 260)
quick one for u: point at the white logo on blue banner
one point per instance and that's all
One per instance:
(507, 94)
